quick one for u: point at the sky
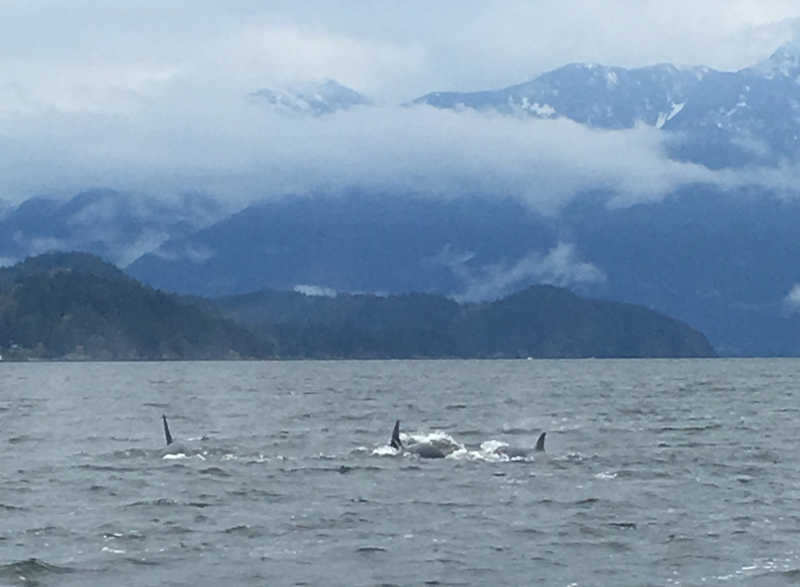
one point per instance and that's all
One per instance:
(150, 97)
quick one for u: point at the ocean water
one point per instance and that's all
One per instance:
(681, 472)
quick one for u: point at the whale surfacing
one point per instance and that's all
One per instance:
(437, 447)
(515, 452)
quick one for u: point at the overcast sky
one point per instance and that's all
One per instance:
(149, 95)
(393, 50)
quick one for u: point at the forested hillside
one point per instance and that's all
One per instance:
(74, 306)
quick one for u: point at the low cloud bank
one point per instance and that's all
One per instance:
(561, 266)
(792, 299)
(240, 151)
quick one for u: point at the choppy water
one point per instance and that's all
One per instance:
(657, 473)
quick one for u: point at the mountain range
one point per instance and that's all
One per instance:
(720, 259)
(724, 118)
(74, 306)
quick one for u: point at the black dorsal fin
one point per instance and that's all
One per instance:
(396, 443)
(167, 435)
(540, 442)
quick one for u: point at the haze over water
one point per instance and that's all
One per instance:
(657, 473)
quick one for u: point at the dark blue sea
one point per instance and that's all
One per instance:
(656, 472)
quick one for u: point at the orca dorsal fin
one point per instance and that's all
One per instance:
(396, 443)
(167, 435)
(540, 442)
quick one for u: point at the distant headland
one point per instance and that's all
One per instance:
(74, 306)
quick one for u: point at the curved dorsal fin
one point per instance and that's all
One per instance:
(540, 442)
(396, 443)
(167, 435)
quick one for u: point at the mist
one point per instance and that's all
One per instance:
(239, 151)
(152, 100)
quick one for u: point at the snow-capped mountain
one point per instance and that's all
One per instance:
(596, 95)
(316, 98)
(725, 118)
(783, 63)
(723, 260)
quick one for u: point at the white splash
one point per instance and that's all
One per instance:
(606, 475)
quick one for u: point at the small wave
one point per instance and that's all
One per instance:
(255, 493)
(4, 507)
(385, 451)
(122, 537)
(48, 531)
(606, 475)
(177, 456)
(141, 561)
(689, 429)
(31, 570)
(769, 570)
(371, 549)
(178, 529)
(112, 468)
(215, 472)
(245, 530)
(259, 458)
(131, 453)
(161, 501)
(326, 457)
(587, 501)
(530, 531)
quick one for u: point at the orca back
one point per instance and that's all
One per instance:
(425, 450)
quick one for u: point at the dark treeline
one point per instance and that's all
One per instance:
(74, 306)
(540, 321)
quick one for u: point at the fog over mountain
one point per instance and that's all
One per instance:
(621, 150)
(159, 100)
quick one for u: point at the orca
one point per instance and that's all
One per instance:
(424, 450)
(438, 449)
(396, 443)
(167, 435)
(515, 452)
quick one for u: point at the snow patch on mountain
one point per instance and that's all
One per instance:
(313, 98)
(665, 117)
(535, 108)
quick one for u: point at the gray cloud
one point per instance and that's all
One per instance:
(150, 98)
(792, 300)
(560, 266)
(394, 50)
(237, 150)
